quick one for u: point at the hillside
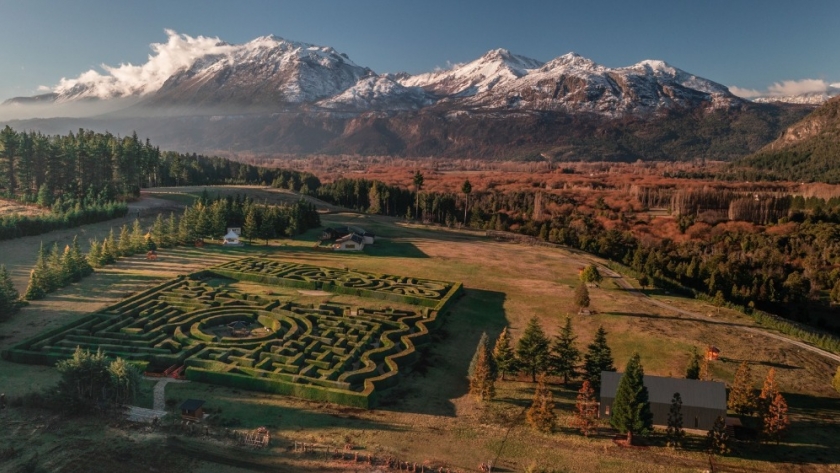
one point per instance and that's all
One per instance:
(276, 96)
(807, 150)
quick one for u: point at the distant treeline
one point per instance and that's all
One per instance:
(793, 273)
(81, 176)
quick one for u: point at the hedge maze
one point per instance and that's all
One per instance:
(329, 352)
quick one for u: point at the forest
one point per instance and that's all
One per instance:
(776, 253)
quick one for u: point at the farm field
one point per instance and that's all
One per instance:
(428, 417)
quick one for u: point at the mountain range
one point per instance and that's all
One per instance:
(272, 95)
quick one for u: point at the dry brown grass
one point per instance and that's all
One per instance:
(429, 416)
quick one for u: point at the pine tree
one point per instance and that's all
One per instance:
(482, 381)
(503, 354)
(251, 227)
(598, 358)
(675, 433)
(532, 350)
(171, 232)
(84, 268)
(631, 409)
(57, 275)
(541, 414)
(586, 409)
(94, 255)
(124, 247)
(775, 421)
(138, 238)
(159, 230)
(582, 296)
(483, 347)
(109, 250)
(69, 267)
(9, 296)
(741, 397)
(692, 371)
(35, 289)
(564, 355)
(718, 438)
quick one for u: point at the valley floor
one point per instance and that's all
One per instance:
(428, 418)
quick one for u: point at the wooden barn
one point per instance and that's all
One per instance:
(703, 401)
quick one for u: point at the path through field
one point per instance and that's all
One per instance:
(619, 279)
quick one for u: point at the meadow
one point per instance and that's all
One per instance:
(428, 417)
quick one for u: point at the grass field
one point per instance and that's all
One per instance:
(429, 417)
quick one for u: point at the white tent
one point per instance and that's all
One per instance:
(231, 238)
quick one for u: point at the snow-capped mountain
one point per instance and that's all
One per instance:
(274, 74)
(572, 83)
(496, 68)
(813, 98)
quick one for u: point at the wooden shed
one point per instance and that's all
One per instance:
(192, 410)
(703, 401)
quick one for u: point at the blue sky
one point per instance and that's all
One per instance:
(751, 45)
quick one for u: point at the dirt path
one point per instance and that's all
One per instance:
(619, 279)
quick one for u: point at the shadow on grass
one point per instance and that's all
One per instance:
(400, 249)
(763, 363)
(441, 374)
(811, 437)
(670, 317)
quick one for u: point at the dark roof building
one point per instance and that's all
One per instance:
(703, 401)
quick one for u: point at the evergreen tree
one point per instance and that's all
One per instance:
(564, 355)
(138, 238)
(9, 296)
(586, 409)
(124, 247)
(251, 227)
(598, 358)
(675, 433)
(532, 350)
(94, 255)
(541, 414)
(631, 408)
(158, 231)
(503, 354)
(171, 232)
(109, 250)
(482, 380)
(466, 188)
(418, 186)
(38, 278)
(69, 266)
(717, 439)
(590, 274)
(644, 281)
(582, 296)
(57, 275)
(84, 268)
(483, 347)
(741, 397)
(775, 421)
(692, 371)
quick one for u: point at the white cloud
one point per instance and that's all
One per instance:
(787, 88)
(745, 93)
(798, 87)
(178, 53)
(44, 88)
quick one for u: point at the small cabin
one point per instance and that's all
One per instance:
(192, 410)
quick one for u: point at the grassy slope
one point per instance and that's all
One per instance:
(429, 417)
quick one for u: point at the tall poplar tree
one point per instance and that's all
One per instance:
(541, 414)
(692, 371)
(631, 412)
(482, 380)
(741, 396)
(483, 347)
(586, 409)
(674, 432)
(775, 421)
